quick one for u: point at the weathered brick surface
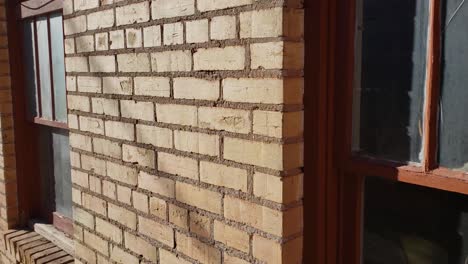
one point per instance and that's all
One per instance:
(186, 122)
(27, 247)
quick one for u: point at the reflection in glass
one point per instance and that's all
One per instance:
(453, 146)
(29, 59)
(390, 64)
(58, 67)
(408, 224)
(62, 173)
(44, 67)
(55, 170)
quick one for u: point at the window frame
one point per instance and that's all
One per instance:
(32, 9)
(334, 198)
(28, 180)
(429, 174)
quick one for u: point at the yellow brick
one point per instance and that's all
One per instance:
(233, 260)
(232, 120)
(157, 231)
(92, 164)
(178, 216)
(167, 257)
(95, 184)
(194, 88)
(135, 13)
(199, 197)
(85, 253)
(94, 204)
(152, 86)
(158, 207)
(269, 155)
(196, 142)
(93, 125)
(123, 216)
(171, 61)
(78, 233)
(177, 165)
(140, 247)
(89, 84)
(105, 106)
(208, 5)
(102, 63)
(177, 114)
(224, 176)
(231, 237)
(120, 130)
(83, 217)
(76, 196)
(264, 218)
(261, 23)
(80, 178)
(140, 201)
(208, 59)
(134, 39)
(156, 136)
(108, 230)
(117, 85)
(271, 251)
(80, 141)
(124, 194)
(277, 124)
(196, 249)
(120, 256)
(99, 244)
(107, 148)
(265, 90)
(200, 225)
(140, 156)
(122, 173)
(155, 184)
(172, 8)
(277, 189)
(109, 189)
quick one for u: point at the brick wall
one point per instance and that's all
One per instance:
(186, 130)
(8, 197)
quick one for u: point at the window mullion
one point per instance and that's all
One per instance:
(52, 92)
(38, 76)
(432, 87)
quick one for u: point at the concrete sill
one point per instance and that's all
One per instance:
(55, 236)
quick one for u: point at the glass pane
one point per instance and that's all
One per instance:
(29, 59)
(54, 154)
(390, 78)
(62, 174)
(453, 146)
(408, 224)
(58, 67)
(44, 67)
(46, 164)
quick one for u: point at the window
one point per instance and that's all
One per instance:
(409, 112)
(45, 92)
(394, 132)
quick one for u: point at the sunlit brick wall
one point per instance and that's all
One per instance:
(186, 130)
(8, 191)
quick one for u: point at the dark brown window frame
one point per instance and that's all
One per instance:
(334, 197)
(26, 128)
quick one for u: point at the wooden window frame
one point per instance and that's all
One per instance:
(334, 198)
(26, 128)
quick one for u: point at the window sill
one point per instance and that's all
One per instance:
(29, 247)
(55, 236)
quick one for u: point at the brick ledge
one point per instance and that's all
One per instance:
(28, 247)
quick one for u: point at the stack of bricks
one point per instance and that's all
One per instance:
(186, 122)
(8, 197)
